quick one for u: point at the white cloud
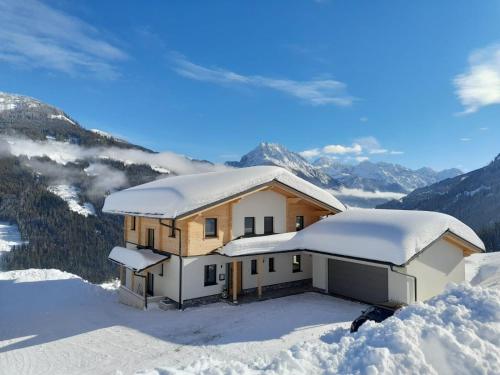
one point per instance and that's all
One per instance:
(479, 86)
(394, 152)
(377, 151)
(465, 139)
(315, 92)
(63, 153)
(341, 150)
(363, 119)
(360, 159)
(308, 154)
(36, 35)
(483, 128)
(359, 193)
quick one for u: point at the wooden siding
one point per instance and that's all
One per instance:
(197, 243)
(299, 207)
(163, 240)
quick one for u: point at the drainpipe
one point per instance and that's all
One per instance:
(174, 228)
(412, 276)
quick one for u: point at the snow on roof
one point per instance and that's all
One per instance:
(135, 259)
(392, 236)
(174, 196)
(256, 245)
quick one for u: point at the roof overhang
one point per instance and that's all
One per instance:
(137, 260)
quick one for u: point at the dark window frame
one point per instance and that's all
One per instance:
(215, 234)
(245, 226)
(210, 270)
(148, 238)
(161, 270)
(271, 265)
(299, 223)
(296, 263)
(266, 218)
(254, 270)
(132, 223)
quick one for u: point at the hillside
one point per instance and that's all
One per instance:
(54, 175)
(473, 197)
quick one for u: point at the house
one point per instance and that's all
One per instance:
(174, 226)
(194, 238)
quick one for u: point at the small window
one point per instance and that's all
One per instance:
(296, 266)
(172, 229)
(249, 226)
(271, 265)
(268, 225)
(299, 223)
(210, 228)
(132, 222)
(161, 270)
(151, 238)
(210, 274)
(254, 267)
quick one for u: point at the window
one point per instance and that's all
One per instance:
(271, 265)
(172, 229)
(299, 223)
(210, 228)
(254, 267)
(268, 225)
(151, 238)
(132, 222)
(296, 266)
(249, 226)
(161, 270)
(210, 274)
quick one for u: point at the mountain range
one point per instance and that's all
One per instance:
(363, 185)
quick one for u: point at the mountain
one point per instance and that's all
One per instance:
(54, 176)
(382, 176)
(275, 154)
(473, 197)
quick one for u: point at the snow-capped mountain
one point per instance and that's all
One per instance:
(275, 154)
(473, 197)
(382, 176)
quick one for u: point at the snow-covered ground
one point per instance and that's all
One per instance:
(56, 323)
(9, 236)
(70, 194)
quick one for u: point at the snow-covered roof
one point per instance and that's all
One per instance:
(256, 245)
(392, 236)
(136, 259)
(174, 196)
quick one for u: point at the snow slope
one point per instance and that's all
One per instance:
(78, 327)
(56, 323)
(70, 194)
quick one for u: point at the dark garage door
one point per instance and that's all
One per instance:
(357, 281)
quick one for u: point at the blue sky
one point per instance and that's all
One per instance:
(417, 83)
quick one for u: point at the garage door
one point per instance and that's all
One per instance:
(357, 281)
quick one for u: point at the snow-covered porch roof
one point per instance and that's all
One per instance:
(256, 245)
(136, 259)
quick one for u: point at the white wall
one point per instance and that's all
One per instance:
(194, 276)
(283, 267)
(320, 272)
(258, 205)
(437, 266)
(168, 284)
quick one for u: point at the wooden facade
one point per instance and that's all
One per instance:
(194, 241)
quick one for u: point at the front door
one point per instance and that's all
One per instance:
(239, 277)
(150, 285)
